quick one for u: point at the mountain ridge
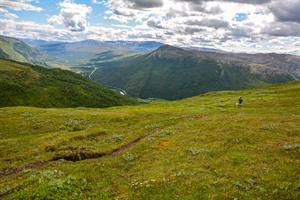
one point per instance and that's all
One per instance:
(16, 49)
(79, 53)
(174, 73)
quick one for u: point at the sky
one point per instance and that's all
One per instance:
(231, 25)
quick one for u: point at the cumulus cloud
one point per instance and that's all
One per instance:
(232, 25)
(129, 8)
(287, 10)
(282, 29)
(241, 31)
(196, 17)
(202, 7)
(249, 1)
(155, 24)
(145, 3)
(192, 30)
(72, 15)
(235, 1)
(29, 29)
(215, 23)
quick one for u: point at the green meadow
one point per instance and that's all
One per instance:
(203, 147)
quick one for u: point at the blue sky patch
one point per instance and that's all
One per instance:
(240, 17)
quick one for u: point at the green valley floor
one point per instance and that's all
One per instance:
(203, 147)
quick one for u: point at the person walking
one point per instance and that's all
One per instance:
(240, 101)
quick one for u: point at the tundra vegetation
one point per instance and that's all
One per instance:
(203, 147)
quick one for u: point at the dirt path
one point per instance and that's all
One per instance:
(75, 157)
(122, 148)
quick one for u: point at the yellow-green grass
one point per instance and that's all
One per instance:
(203, 147)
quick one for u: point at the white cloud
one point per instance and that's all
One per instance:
(27, 29)
(97, 2)
(197, 23)
(211, 24)
(19, 5)
(7, 14)
(72, 15)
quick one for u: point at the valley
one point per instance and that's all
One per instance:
(107, 130)
(149, 100)
(149, 70)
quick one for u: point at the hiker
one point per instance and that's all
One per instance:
(240, 101)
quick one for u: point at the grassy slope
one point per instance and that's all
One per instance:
(178, 76)
(199, 148)
(14, 49)
(27, 85)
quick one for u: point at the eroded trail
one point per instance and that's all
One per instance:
(9, 171)
(74, 157)
(122, 148)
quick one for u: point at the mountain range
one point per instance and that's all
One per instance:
(153, 70)
(18, 50)
(77, 53)
(174, 73)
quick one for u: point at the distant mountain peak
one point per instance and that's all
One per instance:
(167, 47)
(166, 51)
